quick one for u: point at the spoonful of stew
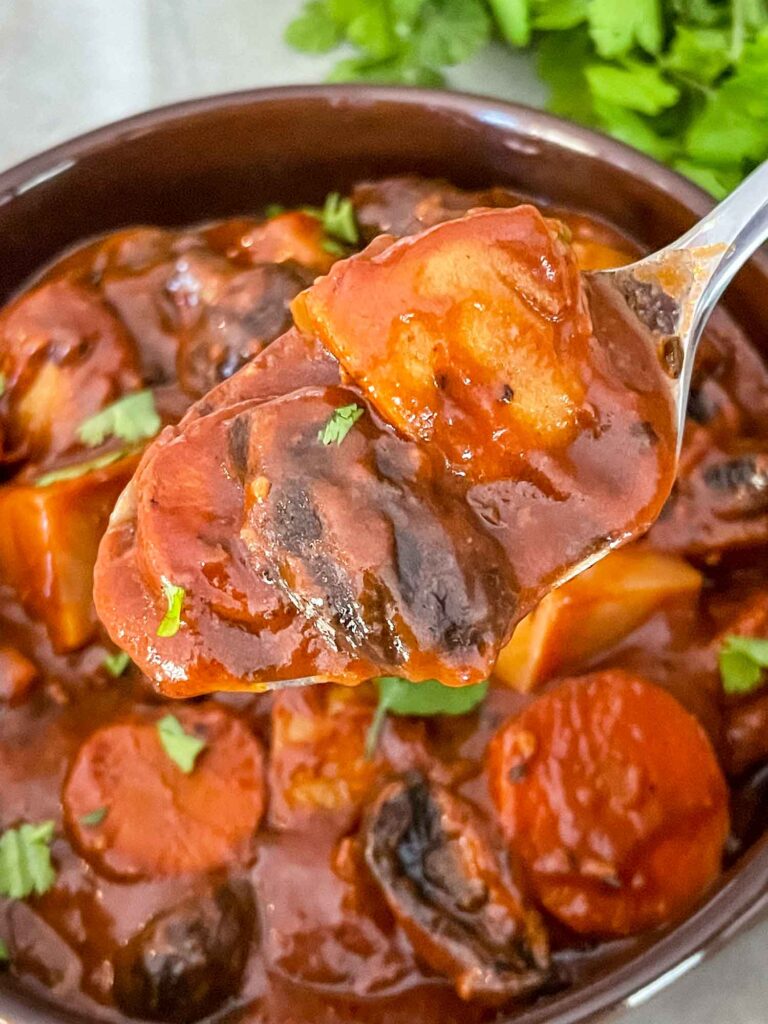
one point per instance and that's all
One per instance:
(458, 422)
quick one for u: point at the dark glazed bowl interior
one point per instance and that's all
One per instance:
(233, 154)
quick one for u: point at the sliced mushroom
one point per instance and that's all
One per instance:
(448, 892)
(188, 960)
(719, 502)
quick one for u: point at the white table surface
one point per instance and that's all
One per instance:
(67, 66)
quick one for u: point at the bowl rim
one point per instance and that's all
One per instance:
(42, 166)
(742, 897)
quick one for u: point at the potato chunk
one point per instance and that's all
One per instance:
(48, 544)
(592, 612)
(318, 763)
(473, 335)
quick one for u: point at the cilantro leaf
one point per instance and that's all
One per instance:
(699, 12)
(682, 80)
(404, 14)
(79, 468)
(5, 956)
(559, 14)
(339, 223)
(314, 30)
(372, 30)
(451, 31)
(636, 86)
(174, 596)
(428, 698)
(633, 129)
(333, 247)
(25, 860)
(340, 424)
(132, 418)
(616, 27)
(182, 748)
(562, 62)
(402, 69)
(94, 818)
(514, 20)
(701, 54)
(717, 180)
(338, 217)
(274, 210)
(116, 663)
(732, 127)
(345, 11)
(398, 696)
(742, 660)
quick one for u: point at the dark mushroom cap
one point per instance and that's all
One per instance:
(188, 960)
(448, 891)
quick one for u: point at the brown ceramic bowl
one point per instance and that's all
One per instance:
(228, 155)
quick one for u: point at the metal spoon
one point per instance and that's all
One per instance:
(670, 294)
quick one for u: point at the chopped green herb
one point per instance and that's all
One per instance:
(617, 27)
(339, 219)
(452, 31)
(182, 748)
(514, 20)
(314, 30)
(93, 818)
(743, 660)
(117, 663)
(25, 860)
(559, 14)
(684, 80)
(340, 424)
(132, 418)
(273, 210)
(400, 697)
(5, 956)
(333, 247)
(174, 596)
(699, 54)
(3, 384)
(79, 469)
(339, 223)
(635, 86)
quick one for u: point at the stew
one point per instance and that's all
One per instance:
(493, 438)
(389, 851)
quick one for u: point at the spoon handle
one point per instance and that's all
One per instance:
(740, 225)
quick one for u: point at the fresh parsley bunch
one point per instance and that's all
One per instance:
(683, 80)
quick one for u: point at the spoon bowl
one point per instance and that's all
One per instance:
(668, 296)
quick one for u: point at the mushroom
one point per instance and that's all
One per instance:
(449, 893)
(187, 960)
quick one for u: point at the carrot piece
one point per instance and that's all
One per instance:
(17, 674)
(609, 791)
(157, 819)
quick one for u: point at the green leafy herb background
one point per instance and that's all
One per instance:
(684, 80)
